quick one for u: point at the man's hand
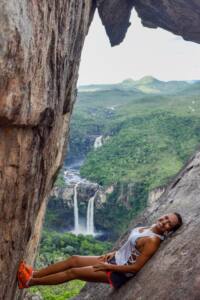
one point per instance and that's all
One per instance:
(102, 266)
(107, 256)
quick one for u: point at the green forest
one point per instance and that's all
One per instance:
(150, 128)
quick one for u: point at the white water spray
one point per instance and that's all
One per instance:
(90, 216)
(76, 218)
(98, 142)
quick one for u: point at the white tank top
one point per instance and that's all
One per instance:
(124, 254)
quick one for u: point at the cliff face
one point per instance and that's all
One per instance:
(40, 48)
(173, 272)
(154, 195)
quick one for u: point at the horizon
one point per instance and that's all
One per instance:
(191, 81)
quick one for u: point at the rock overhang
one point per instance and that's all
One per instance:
(179, 17)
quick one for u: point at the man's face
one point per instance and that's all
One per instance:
(167, 222)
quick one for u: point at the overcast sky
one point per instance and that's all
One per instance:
(144, 51)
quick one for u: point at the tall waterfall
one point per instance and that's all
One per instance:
(98, 142)
(76, 218)
(90, 216)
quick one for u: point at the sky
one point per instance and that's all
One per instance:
(143, 52)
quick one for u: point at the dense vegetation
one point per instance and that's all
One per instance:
(59, 292)
(150, 129)
(57, 246)
(150, 149)
(101, 109)
(153, 128)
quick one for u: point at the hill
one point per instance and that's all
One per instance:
(146, 85)
(147, 137)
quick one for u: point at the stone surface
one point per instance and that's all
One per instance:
(36, 296)
(154, 195)
(115, 15)
(181, 17)
(40, 48)
(173, 272)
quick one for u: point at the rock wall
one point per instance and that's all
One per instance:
(154, 195)
(173, 272)
(40, 48)
(180, 17)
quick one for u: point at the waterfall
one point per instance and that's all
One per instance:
(78, 227)
(98, 142)
(90, 216)
(76, 219)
